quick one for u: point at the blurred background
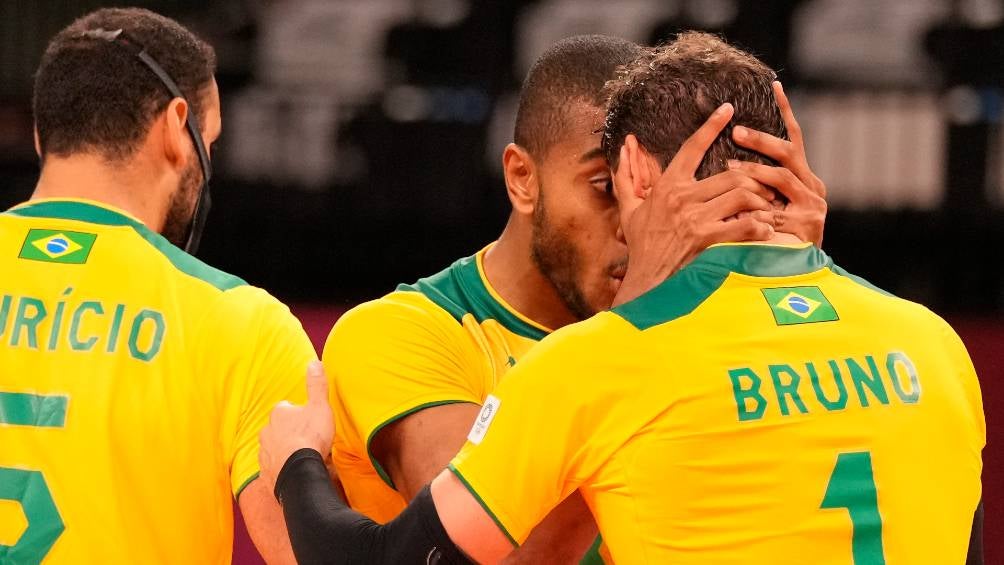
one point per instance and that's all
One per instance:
(362, 138)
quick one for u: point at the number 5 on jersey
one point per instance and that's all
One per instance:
(27, 487)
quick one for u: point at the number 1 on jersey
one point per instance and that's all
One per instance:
(852, 486)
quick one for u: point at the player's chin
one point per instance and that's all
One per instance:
(615, 285)
(604, 293)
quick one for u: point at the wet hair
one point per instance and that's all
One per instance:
(667, 93)
(574, 69)
(93, 95)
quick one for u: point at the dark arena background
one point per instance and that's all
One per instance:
(362, 140)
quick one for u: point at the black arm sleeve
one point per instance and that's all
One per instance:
(323, 529)
(975, 556)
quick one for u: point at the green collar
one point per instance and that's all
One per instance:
(83, 211)
(96, 213)
(462, 289)
(683, 292)
(762, 260)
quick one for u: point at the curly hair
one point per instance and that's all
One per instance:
(92, 95)
(664, 95)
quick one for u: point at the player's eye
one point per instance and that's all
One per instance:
(603, 184)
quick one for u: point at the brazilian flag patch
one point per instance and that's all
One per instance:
(57, 246)
(799, 305)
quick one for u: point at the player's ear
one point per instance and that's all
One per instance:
(38, 143)
(638, 173)
(174, 135)
(521, 179)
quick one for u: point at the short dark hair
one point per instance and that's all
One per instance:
(572, 70)
(667, 93)
(95, 95)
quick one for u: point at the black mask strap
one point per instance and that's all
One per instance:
(198, 222)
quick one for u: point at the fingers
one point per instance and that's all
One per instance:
(779, 178)
(776, 148)
(749, 228)
(805, 222)
(794, 130)
(688, 159)
(716, 185)
(734, 202)
(317, 385)
(768, 217)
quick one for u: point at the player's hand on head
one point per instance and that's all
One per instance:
(682, 216)
(292, 427)
(805, 213)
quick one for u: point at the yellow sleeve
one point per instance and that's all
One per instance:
(261, 352)
(968, 379)
(550, 425)
(395, 356)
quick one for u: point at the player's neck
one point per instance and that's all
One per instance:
(512, 273)
(781, 238)
(89, 177)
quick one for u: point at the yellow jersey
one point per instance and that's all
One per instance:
(134, 380)
(760, 406)
(446, 339)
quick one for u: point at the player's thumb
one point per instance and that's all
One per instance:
(317, 385)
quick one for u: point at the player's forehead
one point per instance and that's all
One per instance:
(579, 137)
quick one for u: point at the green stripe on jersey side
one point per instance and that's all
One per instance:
(373, 460)
(83, 212)
(460, 290)
(22, 409)
(484, 505)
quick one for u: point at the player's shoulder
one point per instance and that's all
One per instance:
(591, 343)
(184, 264)
(233, 294)
(434, 303)
(875, 298)
(450, 290)
(397, 312)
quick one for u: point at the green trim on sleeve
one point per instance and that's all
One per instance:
(483, 504)
(369, 440)
(244, 485)
(593, 556)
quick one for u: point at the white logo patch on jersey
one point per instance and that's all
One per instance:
(485, 417)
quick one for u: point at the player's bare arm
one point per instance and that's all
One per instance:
(415, 449)
(323, 529)
(975, 554)
(263, 518)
